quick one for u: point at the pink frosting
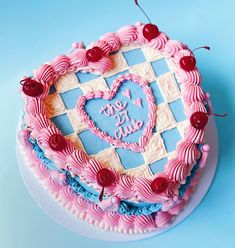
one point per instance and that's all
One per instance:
(40, 123)
(78, 59)
(76, 161)
(177, 170)
(144, 192)
(45, 73)
(60, 157)
(103, 45)
(124, 187)
(45, 134)
(196, 107)
(111, 219)
(54, 186)
(113, 41)
(159, 42)
(195, 135)
(126, 222)
(61, 64)
(189, 77)
(187, 152)
(23, 136)
(192, 93)
(35, 106)
(100, 67)
(172, 47)
(163, 219)
(95, 213)
(146, 221)
(177, 208)
(180, 54)
(127, 35)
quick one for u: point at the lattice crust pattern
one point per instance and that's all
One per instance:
(170, 122)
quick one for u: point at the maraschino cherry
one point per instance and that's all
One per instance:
(188, 63)
(159, 185)
(105, 178)
(199, 120)
(31, 87)
(150, 31)
(94, 54)
(57, 142)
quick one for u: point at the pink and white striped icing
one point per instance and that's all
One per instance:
(41, 127)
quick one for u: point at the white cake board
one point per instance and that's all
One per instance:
(65, 218)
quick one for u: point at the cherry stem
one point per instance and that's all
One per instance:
(220, 115)
(201, 47)
(136, 2)
(101, 194)
(23, 81)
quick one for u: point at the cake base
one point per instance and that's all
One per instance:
(65, 218)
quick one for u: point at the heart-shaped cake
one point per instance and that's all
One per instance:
(115, 131)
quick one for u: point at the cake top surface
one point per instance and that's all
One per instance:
(126, 109)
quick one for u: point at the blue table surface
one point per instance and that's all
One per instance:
(33, 32)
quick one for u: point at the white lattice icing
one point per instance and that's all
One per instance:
(144, 70)
(66, 82)
(151, 54)
(165, 119)
(54, 105)
(77, 124)
(155, 149)
(140, 171)
(168, 87)
(109, 158)
(76, 141)
(182, 127)
(95, 84)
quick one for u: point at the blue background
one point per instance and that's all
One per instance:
(32, 32)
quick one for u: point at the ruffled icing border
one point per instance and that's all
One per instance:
(88, 211)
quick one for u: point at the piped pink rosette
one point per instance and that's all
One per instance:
(40, 127)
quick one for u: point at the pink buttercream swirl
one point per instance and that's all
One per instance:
(61, 65)
(172, 47)
(45, 73)
(187, 152)
(78, 60)
(177, 170)
(113, 41)
(127, 35)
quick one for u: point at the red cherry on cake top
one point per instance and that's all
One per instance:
(31, 87)
(150, 31)
(57, 142)
(188, 63)
(105, 177)
(199, 120)
(159, 185)
(94, 54)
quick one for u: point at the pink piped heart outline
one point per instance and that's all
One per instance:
(108, 95)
